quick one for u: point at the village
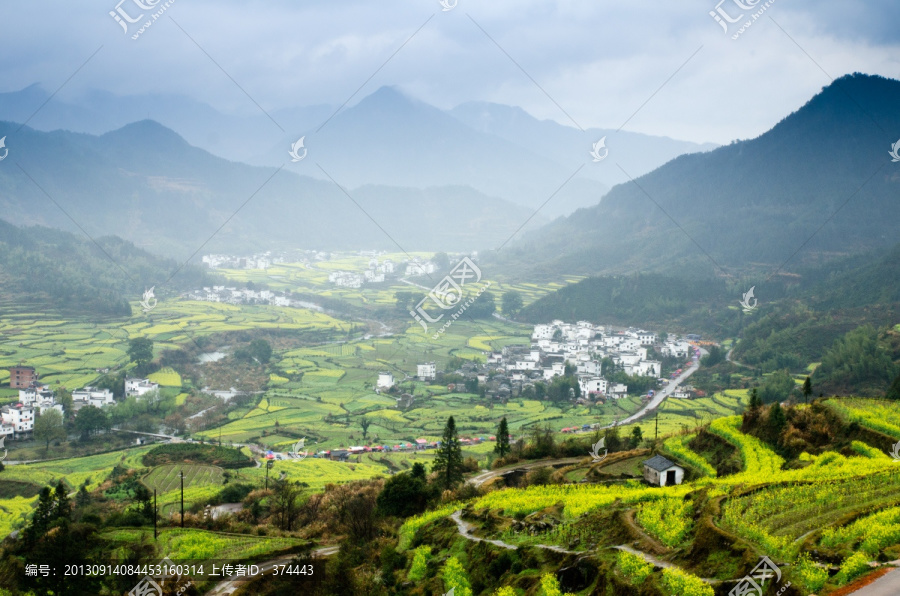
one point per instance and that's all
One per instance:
(17, 419)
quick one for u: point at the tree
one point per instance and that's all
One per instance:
(448, 463)
(755, 402)
(285, 504)
(64, 397)
(511, 303)
(715, 356)
(49, 427)
(807, 390)
(62, 507)
(140, 350)
(776, 422)
(502, 447)
(260, 350)
(777, 387)
(636, 436)
(472, 385)
(90, 420)
(441, 260)
(404, 494)
(143, 498)
(364, 423)
(894, 391)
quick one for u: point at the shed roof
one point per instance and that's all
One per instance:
(659, 463)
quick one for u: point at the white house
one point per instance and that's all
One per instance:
(659, 471)
(618, 391)
(590, 385)
(91, 396)
(646, 338)
(385, 380)
(19, 416)
(649, 368)
(681, 393)
(138, 387)
(427, 371)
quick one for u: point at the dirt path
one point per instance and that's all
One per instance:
(230, 585)
(485, 476)
(465, 530)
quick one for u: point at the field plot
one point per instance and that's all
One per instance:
(202, 545)
(168, 477)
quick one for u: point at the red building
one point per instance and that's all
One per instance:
(21, 377)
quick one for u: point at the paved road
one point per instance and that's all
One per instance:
(230, 585)
(886, 585)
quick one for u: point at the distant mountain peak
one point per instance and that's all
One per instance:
(147, 131)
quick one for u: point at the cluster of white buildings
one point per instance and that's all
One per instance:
(582, 346)
(230, 295)
(375, 274)
(17, 419)
(258, 261)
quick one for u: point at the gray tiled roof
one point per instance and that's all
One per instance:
(659, 463)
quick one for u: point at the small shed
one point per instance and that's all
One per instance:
(659, 471)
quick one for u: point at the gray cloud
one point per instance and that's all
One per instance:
(600, 61)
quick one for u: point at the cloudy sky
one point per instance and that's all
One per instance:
(594, 63)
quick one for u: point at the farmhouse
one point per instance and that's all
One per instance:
(385, 380)
(93, 397)
(659, 471)
(19, 416)
(427, 371)
(138, 387)
(21, 377)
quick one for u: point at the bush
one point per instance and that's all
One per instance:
(455, 578)
(678, 583)
(633, 567)
(807, 574)
(419, 565)
(852, 567)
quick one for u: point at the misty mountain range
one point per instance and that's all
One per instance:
(819, 185)
(386, 139)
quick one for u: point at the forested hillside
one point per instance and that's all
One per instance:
(48, 268)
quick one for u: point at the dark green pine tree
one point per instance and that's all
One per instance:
(502, 446)
(755, 402)
(894, 391)
(807, 390)
(448, 463)
(63, 506)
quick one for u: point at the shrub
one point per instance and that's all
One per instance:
(807, 574)
(678, 583)
(455, 578)
(633, 567)
(852, 567)
(420, 563)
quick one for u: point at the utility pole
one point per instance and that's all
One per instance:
(155, 515)
(656, 434)
(182, 498)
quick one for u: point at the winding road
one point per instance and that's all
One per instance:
(230, 585)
